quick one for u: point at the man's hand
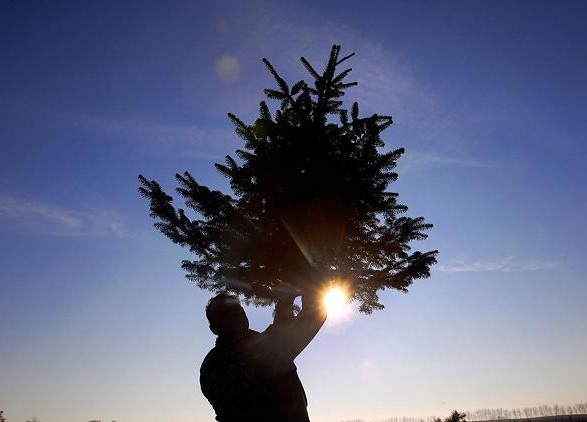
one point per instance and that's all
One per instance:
(286, 292)
(284, 307)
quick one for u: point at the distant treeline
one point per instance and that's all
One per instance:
(545, 413)
(527, 412)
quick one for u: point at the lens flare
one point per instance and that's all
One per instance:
(335, 301)
(228, 68)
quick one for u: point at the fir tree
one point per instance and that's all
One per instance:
(311, 201)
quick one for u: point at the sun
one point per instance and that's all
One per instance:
(335, 301)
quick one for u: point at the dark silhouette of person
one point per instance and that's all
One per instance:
(251, 376)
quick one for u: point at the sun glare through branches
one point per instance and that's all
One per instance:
(335, 301)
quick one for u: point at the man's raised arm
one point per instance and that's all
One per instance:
(307, 323)
(284, 310)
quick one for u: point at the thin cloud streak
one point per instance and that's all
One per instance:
(508, 264)
(418, 160)
(188, 140)
(192, 140)
(56, 220)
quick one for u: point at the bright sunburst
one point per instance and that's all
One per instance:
(335, 301)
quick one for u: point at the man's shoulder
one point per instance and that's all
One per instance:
(217, 371)
(224, 352)
(210, 357)
(229, 371)
(216, 357)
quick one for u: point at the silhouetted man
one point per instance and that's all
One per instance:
(251, 376)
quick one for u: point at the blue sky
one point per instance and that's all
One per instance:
(488, 98)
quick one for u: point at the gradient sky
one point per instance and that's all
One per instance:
(96, 318)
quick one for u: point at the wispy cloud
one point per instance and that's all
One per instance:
(52, 219)
(414, 160)
(146, 136)
(508, 264)
(189, 140)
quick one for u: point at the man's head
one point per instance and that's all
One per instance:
(226, 316)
